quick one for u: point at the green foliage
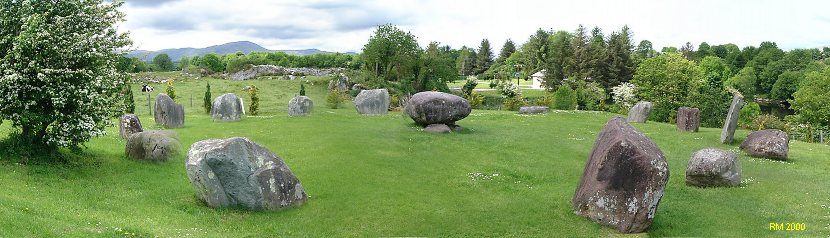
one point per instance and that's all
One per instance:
(749, 112)
(506, 51)
(253, 108)
(212, 63)
(811, 101)
(786, 85)
(163, 62)
(58, 74)
(468, 87)
(767, 121)
(713, 103)
(565, 98)
(590, 96)
(621, 65)
(129, 102)
(484, 57)
(667, 81)
(334, 99)
(514, 103)
(391, 54)
(436, 69)
(302, 89)
(207, 102)
(475, 99)
(170, 90)
(715, 71)
(131, 65)
(744, 82)
(557, 58)
(466, 61)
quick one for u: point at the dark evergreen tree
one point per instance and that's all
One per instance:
(484, 58)
(506, 50)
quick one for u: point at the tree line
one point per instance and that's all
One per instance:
(215, 63)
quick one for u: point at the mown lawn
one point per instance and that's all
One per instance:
(505, 175)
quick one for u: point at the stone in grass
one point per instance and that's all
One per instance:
(533, 110)
(427, 108)
(770, 144)
(372, 102)
(438, 128)
(237, 172)
(300, 106)
(640, 112)
(128, 125)
(153, 145)
(167, 113)
(688, 119)
(226, 108)
(731, 123)
(623, 180)
(712, 167)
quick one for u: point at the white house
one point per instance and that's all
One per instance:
(537, 79)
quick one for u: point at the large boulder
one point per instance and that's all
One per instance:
(168, 113)
(153, 145)
(624, 179)
(372, 102)
(300, 106)
(534, 110)
(770, 144)
(688, 119)
(640, 112)
(128, 125)
(731, 123)
(437, 108)
(227, 107)
(237, 172)
(712, 167)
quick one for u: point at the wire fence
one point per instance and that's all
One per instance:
(818, 136)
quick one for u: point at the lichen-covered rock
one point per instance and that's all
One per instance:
(341, 83)
(438, 128)
(770, 144)
(437, 108)
(731, 123)
(372, 102)
(168, 113)
(300, 106)
(712, 167)
(688, 119)
(623, 180)
(237, 172)
(129, 124)
(640, 112)
(152, 145)
(256, 71)
(533, 110)
(227, 107)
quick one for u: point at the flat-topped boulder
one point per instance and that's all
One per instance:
(770, 144)
(731, 123)
(712, 167)
(372, 102)
(623, 180)
(227, 108)
(237, 172)
(168, 113)
(128, 125)
(688, 119)
(300, 106)
(639, 112)
(427, 108)
(534, 110)
(153, 145)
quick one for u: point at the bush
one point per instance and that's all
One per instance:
(254, 106)
(713, 104)
(129, 102)
(768, 121)
(475, 99)
(749, 112)
(468, 87)
(509, 90)
(394, 101)
(624, 96)
(302, 89)
(170, 90)
(546, 100)
(334, 99)
(564, 98)
(590, 97)
(514, 103)
(207, 104)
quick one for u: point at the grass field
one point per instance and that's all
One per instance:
(369, 176)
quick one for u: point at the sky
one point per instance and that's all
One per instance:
(345, 26)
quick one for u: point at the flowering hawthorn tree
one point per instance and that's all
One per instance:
(58, 81)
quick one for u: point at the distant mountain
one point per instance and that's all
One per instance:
(227, 48)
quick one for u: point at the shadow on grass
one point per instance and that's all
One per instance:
(46, 160)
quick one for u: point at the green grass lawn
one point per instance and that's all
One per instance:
(370, 176)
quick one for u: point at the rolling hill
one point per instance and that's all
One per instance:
(227, 48)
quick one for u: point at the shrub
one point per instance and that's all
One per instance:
(564, 98)
(768, 121)
(624, 96)
(811, 99)
(509, 90)
(302, 89)
(170, 90)
(129, 102)
(334, 99)
(494, 83)
(749, 112)
(475, 99)
(468, 87)
(394, 101)
(254, 106)
(591, 96)
(546, 100)
(207, 104)
(514, 103)
(667, 80)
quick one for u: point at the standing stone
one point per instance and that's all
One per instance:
(770, 144)
(168, 113)
(372, 102)
(688, 119)
(731, 123)
(624, 179)
(227, 107)
(152, 145)
(534, 110)
(712, 167)
(438, 128)
(237, 172)
(640, 112)
(128, 125)
(437, 108)
(300, 106)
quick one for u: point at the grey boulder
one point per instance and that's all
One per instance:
(688, 119)
(237, 172)
(372, 102)
(437, 108)
(300, 106)
(438, 128)
(770, 144)
(623, 180)
(128, 125)
(168, 113)
(533, 110)
(227, 107)
(731, 123)
(712, 167)
(640, 112)
(153, 145)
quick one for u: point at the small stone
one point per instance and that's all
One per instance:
(688, 119)
(713, 167)
(770, 144)
(640, 112)
(534, 110)
(128, 125)
(300, 106)
(438, 128)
